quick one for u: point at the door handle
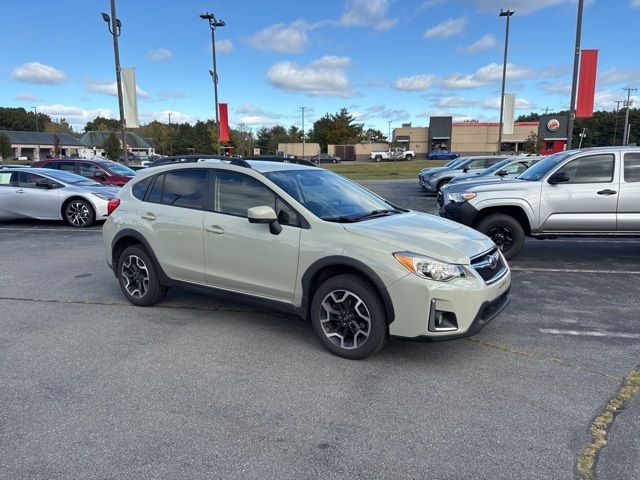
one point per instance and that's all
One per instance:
(148, 216)
(218, 230)
(607, 192)
(20, 191)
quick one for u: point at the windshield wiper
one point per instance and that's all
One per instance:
(377, 213)
(340, 219)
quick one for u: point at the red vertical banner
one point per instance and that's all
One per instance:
(224, 122)
(587, 83)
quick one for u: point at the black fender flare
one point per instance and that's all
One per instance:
(130, 233)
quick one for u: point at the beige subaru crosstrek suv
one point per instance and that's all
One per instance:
(305, 240)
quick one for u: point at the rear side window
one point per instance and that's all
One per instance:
(591, 169)
(632, 167)
(185, 188)
(139, 189)
(66, 166)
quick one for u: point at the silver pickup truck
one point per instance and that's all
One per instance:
(594, 191)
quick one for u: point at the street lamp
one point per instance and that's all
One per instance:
(302, 110)
(389, 135)
(503, 13)
(213, 24)
(115, 28)
(170, 137)
(35, 112)
(574, 82)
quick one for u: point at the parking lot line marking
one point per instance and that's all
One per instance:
(46, 229)
(574, 270)
(590, 333)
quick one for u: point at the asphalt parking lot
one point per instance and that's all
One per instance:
(92, 387)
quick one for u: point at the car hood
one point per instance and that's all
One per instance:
(433, 170)
(424, 234)
(492, 183)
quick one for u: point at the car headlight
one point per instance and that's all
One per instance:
(102, 196)
(430, 268)
(461, 196)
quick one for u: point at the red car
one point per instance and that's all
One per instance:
(103, 171)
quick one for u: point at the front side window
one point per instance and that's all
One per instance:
(29, 180)
(474, 164)
(591, 169)
(515, 168)
(235, 193)
(89, 170)
(492, 161)
(632, 167)
(185, 188)
(66, 166)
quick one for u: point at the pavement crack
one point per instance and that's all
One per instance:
(524, 353)
(602, 424)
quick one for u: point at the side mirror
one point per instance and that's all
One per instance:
(100, 175)
(265, 214)
(465, 169)
(558, 177)
(502, 173)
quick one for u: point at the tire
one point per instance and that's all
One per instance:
(377, 158)
(409, 157)
(335, 160)
(132, 260)
(505, 231)
(79, 213)
(316, 161)
(441, 184)
(341, 292)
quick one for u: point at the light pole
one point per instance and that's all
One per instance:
(574, 83)
(615, 128)
(170, 137)
(241, 125)
(582, 135)
(389, 134)
(303, 142)
(503, 13)
(213, 24)
(35, 112)
(115, 28)
(627, 103)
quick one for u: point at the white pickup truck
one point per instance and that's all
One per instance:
(394, 153)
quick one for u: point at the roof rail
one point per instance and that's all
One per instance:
(273, 158)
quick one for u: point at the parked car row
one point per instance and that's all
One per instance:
(588, 192)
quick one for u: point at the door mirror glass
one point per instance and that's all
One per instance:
(559, 177)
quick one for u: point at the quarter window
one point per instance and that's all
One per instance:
(591, 169)
(139, 189)
(632, 167)
(185, 188)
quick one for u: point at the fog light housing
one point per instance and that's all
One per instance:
(441, 320)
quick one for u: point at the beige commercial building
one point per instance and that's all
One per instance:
(310, 149)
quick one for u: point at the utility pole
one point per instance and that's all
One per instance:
(615, 129)
(242, 153)
(389, 135)
(303, 140)
(170, 137)
(213, 24)
(115, 28)
(582, 135)
(546, 110)
(627, 103)
(503, 13)
(574, 83)
(35, 112)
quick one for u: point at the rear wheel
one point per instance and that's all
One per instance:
(408, 157)
(348, 317)
(505, 231)
(79, 213)
(377, 158)
(138, 278)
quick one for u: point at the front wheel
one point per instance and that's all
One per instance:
(505, 231)
(378, 158)
(408, 157)
(348, 317)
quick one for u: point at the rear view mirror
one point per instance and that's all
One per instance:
(558, 177)
(265, 214)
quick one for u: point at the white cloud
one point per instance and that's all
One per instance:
(364, 13)
(109, 87)
(163, 116)
(556, 87)
(36, 72)
(447, 29)
(28, 97)
(484, 43)
(224, 46)
(169, 94)
(522, 7)
(635, 4)
(76, 116)
(614, 75)
(325, 77)
(455, 102)
(427, 4)
(252, 115)
(414, 82)
(282, 38)
(382, 111)
(159, 55)
(607, 99)
(487, 75)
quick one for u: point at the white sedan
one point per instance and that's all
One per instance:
(46, 194)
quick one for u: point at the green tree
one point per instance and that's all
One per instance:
(373, 135)
(337, 129)
(102, 124)
(60, 126)
(56, 145)
(20, 120)
(5, 147)
(112, 147)
(532, 144)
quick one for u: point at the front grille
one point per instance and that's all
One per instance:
(440, 198)
(490, 266)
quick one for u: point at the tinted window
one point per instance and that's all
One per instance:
(492, 161)
(29, 180)
(185, 188)
(515, 168)
(286, 214)
(155, 195)
(632, 167)
(53, 165)
(89, 170)
(66, 166)
(479, 163)
(235, 193)
(119, 169)
(591, 169)
(140, 188)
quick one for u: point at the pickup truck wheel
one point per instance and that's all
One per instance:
(377, 158)
(505, 231)
(348, 317)
(408, 157)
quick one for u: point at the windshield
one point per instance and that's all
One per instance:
(71, 178)
(119, 169)
(544, 166)
(497, 166)
(330, 196)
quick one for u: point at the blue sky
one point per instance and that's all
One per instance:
(385, 60)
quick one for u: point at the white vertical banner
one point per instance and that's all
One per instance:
(129, 97)
(508, 112)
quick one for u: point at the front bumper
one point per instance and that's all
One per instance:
(470, 299)
(461, 212)
(426, 185)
